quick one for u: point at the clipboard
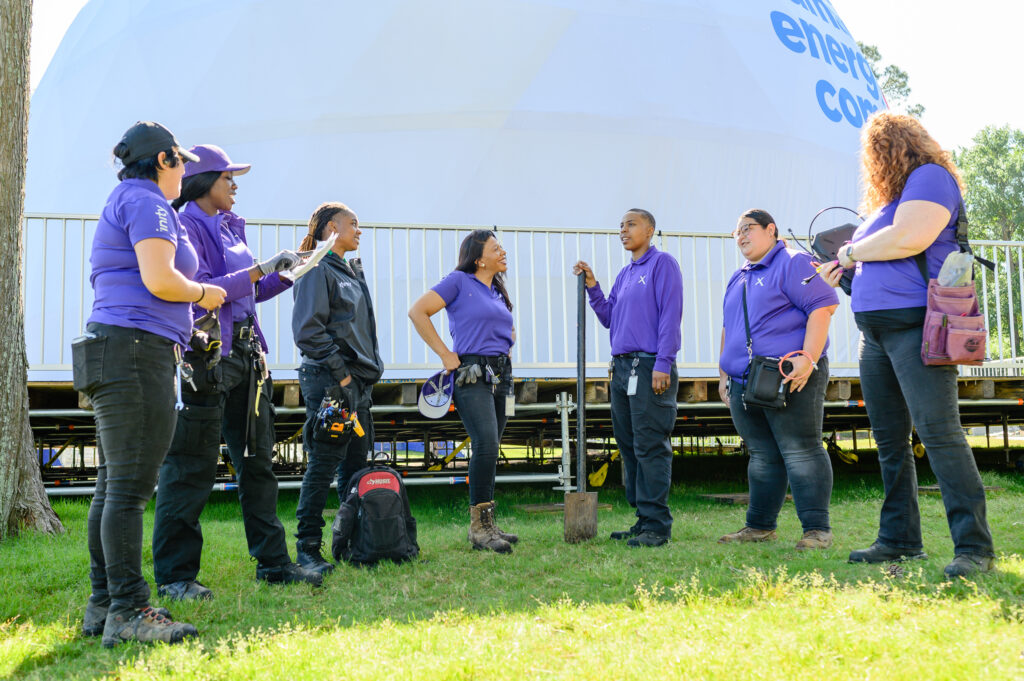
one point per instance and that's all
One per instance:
(312, 261)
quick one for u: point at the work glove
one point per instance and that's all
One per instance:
(343, 395)
(205, 340)
(467, 374)
(285, 260)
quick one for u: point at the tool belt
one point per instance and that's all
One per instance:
(492, 369)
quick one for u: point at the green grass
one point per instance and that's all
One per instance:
(694, 610)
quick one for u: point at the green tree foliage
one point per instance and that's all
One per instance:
(894, 81)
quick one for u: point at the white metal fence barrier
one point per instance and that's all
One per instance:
(403, 261)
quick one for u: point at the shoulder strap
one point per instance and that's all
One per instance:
(962, 241)
(746, 321)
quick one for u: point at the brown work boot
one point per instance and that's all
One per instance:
(144, 625)
(815, 539)
(482, 533)
(748, 534)
(507, 536)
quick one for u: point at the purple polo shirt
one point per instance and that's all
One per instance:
(898, 284)
(645, 308)
(224, 260)
(479, 322)
(137, 210)
(778, 305)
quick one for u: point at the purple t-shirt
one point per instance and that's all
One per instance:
(898, 284)
(137, 210)
(645, 308)
(778, 305)
(479, 322)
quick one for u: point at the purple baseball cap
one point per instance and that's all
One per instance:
(213, 159)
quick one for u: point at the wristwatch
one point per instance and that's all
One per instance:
(849, 253)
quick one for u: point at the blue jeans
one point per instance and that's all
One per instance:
(327, 459)
(482, 411)
(900, 392)
(785, 450)
(132, 391)
(642, 425)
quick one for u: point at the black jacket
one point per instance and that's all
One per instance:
(333, 321)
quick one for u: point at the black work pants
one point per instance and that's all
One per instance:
(128, 375)
(189, 471)
(328, 459)
(642, 425)
(481, 408)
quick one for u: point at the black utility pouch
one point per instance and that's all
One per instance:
(87, 362)
(764, 386)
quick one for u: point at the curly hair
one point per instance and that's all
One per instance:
(892, 146)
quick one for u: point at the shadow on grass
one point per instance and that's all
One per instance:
(44, 584)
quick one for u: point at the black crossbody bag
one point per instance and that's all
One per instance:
(764, 387)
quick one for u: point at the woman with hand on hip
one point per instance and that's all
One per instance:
(233, 397)
(768, 311)
(336, 331)
(913, 195)
(480, 317)
(643, 312)
(142, 264)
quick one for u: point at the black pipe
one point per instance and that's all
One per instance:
(581, 364)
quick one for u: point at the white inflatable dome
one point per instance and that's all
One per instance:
(558, 113)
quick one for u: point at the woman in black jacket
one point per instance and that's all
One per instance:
(336, 332)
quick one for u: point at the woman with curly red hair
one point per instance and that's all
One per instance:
(912, 191)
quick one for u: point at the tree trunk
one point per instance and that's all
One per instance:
(23, 502)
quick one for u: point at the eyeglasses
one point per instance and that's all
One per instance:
(744, 230)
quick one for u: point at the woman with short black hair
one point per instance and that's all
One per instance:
(231, 393)
(142, 263)
(480, 316)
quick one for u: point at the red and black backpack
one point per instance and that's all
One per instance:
(374, 522)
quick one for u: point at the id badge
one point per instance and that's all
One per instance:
(510, 405)
(631, 385)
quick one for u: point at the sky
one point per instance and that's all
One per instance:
(953, 51)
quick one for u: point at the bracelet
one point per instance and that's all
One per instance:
(201, 295)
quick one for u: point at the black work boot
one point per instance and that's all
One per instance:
(289, 573)
(186, 590)
(967, 565)
(307, 554)
(647, 539)
(882, 553)
(630, 533)
(144, 625)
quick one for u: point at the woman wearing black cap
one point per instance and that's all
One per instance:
(336, 332)
(230, 393)
(142, 262)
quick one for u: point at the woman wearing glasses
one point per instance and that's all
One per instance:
(643, 312)
(142, 265)
(769, 311)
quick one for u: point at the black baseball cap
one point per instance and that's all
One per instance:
(146, 138)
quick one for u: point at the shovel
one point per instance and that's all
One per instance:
(580, 506)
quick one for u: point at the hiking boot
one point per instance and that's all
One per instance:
(881, 553)
(815, 539)
(187, 590)
(144, 625)
(748, 534)
(482, 533)
(307, 554)
(630, 533)
(967, 564)
(647, 539)
(96, 617)
(289, 573)
(507, 536)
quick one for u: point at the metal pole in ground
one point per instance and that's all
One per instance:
(580, 506)
(565, 469)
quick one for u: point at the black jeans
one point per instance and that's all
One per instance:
(481, 408)
(642, 424)
(785, 449)
(190, 469)
(900, 392)
(327, 459)
(132, 391)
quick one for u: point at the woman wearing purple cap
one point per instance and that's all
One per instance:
(643, 312)
(480, 317)
(230, 394)
(336, 331)
(770, 311)
(142, 263)
(912, 191)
